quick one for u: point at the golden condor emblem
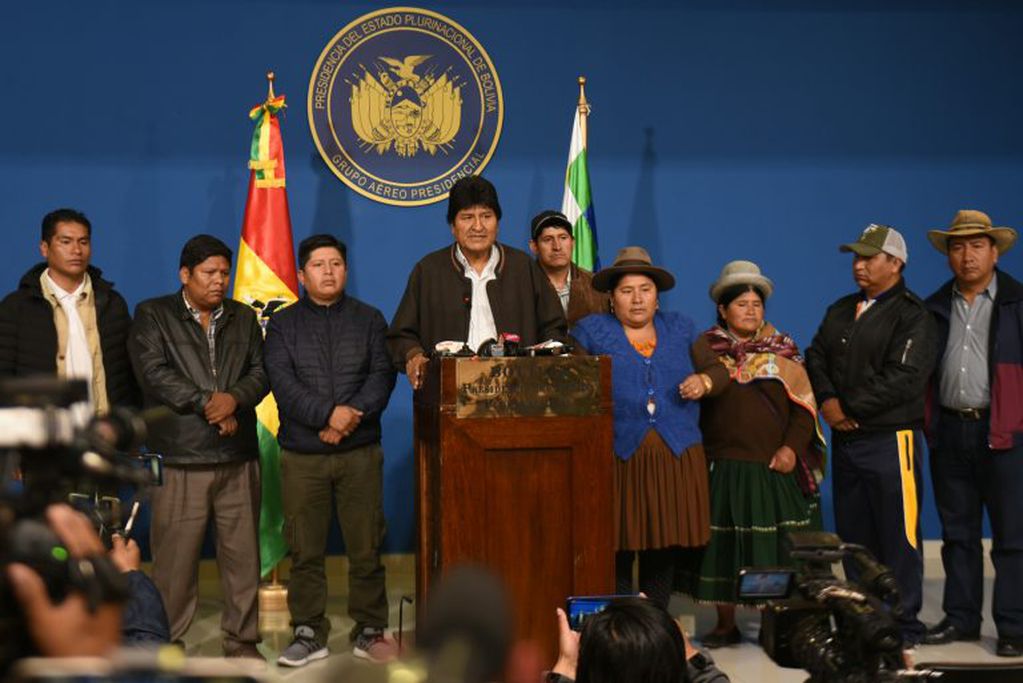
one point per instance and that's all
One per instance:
(409, 111)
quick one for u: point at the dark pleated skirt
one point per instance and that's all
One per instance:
(752, 508)
(662, 501)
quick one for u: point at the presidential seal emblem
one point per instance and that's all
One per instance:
(402, 103)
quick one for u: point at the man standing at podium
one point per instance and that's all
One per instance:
(473, 290)
(329, 371)
(551, 240)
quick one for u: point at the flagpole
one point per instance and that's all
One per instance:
(273, 597)
(275, 583)
(577, 204)
(584, 109)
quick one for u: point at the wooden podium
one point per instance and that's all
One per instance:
(514, 471)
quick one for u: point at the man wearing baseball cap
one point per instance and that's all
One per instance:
(551, 241)
(869, 363)
(975, 429)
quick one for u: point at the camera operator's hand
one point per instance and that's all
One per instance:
(228, 426)
(70, 628)
(125, 555)
(568, 648)
(221, 405)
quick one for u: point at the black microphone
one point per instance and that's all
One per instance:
(486, 348)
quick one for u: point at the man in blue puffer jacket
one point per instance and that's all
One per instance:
(329, 370)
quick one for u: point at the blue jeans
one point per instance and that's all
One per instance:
(968, 477)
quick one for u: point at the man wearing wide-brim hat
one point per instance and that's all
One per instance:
(975, 429)
(869, 363)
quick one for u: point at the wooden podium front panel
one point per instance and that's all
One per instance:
(528, 497)
(524, 545)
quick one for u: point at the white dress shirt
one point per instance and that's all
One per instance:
(481, 318)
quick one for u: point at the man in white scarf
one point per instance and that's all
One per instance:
(66, 320)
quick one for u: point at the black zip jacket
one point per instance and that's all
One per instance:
(28, 335)
(319, 357)
(877, 367)
(172, 363)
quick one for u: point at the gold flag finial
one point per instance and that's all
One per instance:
(584, 107)
(270, 84)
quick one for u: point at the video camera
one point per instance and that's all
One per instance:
(839, 631)
(42, 440)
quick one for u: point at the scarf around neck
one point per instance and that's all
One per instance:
(771, 355)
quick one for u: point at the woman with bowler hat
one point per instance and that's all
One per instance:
(660, 476)
(762, 438)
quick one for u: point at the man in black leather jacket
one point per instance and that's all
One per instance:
(200, 355)
(869, 363)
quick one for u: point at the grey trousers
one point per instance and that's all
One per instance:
(355, 480)
(189, 498)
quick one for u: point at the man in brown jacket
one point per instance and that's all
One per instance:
(551, 241)
(472, 290)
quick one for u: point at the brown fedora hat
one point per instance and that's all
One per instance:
(633, 261)
(968, 223)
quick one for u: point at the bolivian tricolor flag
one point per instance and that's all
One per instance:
(266, 280)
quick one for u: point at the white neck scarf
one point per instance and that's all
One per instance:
(77, 357)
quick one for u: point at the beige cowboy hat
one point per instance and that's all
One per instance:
(633, 260)
(741, 273)
(970, 222)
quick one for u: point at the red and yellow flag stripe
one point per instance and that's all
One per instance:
(266, 279)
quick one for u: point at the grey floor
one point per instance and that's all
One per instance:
(744, 663)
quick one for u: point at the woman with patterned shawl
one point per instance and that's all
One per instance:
(763, 443)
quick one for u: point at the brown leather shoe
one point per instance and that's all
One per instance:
(242, 650)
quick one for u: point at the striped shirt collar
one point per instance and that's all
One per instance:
(196, 313)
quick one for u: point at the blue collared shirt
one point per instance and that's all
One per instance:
(964, 366)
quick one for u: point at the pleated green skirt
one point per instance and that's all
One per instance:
(751, 509)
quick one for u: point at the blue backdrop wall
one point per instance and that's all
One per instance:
(721, 129)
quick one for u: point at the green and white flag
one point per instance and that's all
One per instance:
(577, 204)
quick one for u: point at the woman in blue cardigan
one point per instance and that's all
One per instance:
(661, 495)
